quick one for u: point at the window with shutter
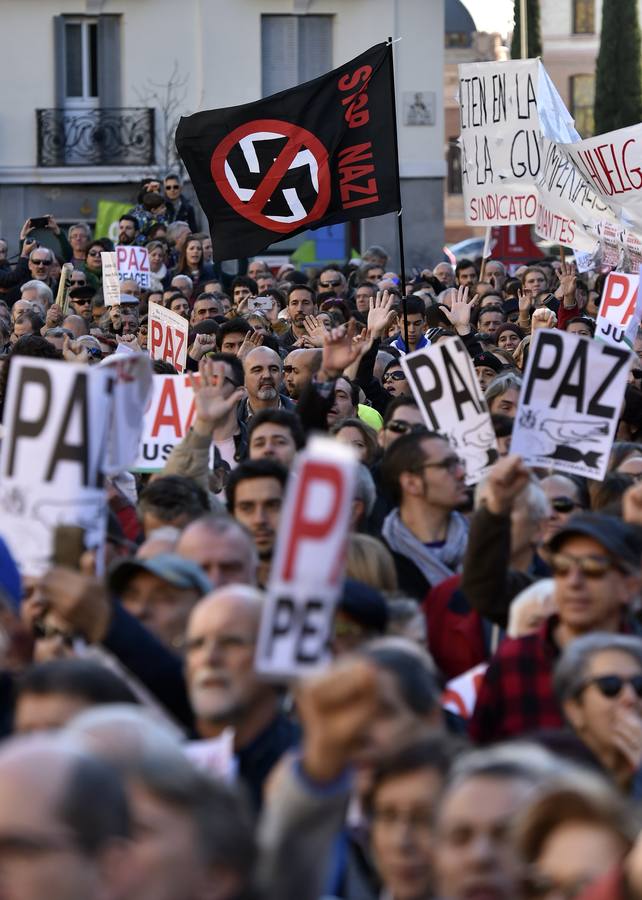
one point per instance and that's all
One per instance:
(294, 49)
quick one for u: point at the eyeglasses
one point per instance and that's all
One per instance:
(563, 504)
(94, 253)
(612, 685)
(84, 301)
(589, 566)
(78, 283)
(172, 187)
(399, 427)
(41, 262)
(449, 463)
(399, 375)
(330, 283)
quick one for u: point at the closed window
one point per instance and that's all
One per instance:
(81, 59)
(583, 16)
(582, 101)
(294, 49)
(454, 167)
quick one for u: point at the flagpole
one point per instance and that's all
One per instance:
(402, 264)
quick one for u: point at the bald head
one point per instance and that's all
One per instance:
(299, 367)
(57, 797)
(76, 324)
(222, 548)
(263, 371)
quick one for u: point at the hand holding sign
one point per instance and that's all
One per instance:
(335, 709)
(506, 480)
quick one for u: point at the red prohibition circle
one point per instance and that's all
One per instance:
(253, 209)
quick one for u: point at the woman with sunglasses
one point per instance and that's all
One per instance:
(93, 265)
(598, 682)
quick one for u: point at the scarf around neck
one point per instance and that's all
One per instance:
(435, 563)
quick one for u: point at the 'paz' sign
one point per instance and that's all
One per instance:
(56, 421)
(445, 386)
(168, 336)
(307, 571)
(620, 310)
(570, 403)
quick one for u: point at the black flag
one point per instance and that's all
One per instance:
(320, 153)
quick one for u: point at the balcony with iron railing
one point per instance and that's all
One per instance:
(95, 137)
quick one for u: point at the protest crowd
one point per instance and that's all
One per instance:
(317, 582)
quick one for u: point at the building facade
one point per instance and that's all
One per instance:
(99, 86)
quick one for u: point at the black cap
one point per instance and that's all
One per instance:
(82, 292)
(622, 541)
(489, 360)
(365, 605)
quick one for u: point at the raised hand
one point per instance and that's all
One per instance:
(524, 302)
(315, 330)
(130, 341)
(72, 351)
(251, 341)
(335, 709)
(339, 351)
(54, 316)
(568, 283)
(214, 396)
(379, 313)
(506, 480)
(461, 307)
(543, 318)
(203, 343)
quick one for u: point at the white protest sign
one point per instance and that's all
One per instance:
(110, 279)
(570, 403)
(133, 265)
(445, 386)
(500, 141)
(612, 165)
(132, 374)
(307, 570)
(566, 203)
(167, 418)
(56, 418)
(460, 694)
(584, 260)
(620, 310)
(168, 335)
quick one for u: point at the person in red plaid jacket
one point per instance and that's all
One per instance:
(596, 566)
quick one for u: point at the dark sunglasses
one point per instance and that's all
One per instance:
(563, 504)
(42, 262)
(589, 566)
(94, 253)
(329, 283)
(80, 302)
(399, 375)
(612, 685)
(398, 427)
(172, 187)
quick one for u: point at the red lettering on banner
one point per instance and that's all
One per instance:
(121, 256)
(616, 292)
(504, 207)
(168, 349)
(156, 336)
(143, 262)
(607, 167)
(180, 340)
(167, 411)
(357, 113)
(310, 529)
(350, 172)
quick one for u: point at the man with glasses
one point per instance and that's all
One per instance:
(332, 283)
(596, 566)
(425, 532)
(80, 298)
(178, 209)
(40, 262)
